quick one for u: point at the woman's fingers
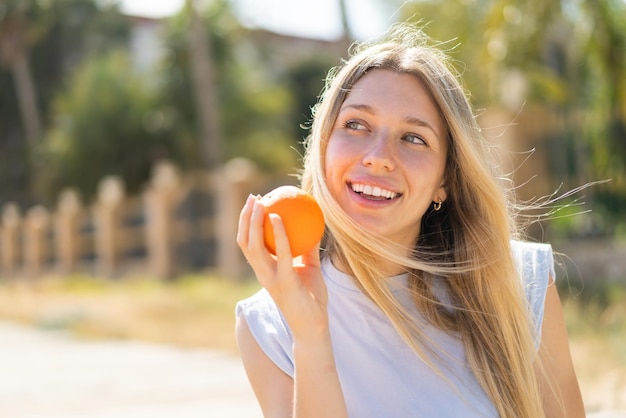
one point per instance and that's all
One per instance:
(250, 240)
(283, 251)
(256, 241)
(244, 223)
(270, 270)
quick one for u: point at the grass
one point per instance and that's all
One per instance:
(193, 311)
(198, 311)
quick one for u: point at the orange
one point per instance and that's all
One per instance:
(301, 215)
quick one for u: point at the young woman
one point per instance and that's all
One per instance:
(420, 302)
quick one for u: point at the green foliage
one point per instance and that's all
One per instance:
(113, 121)
(107, 122)
(572, 58)
(56, 35)
(570, 55)
(255, 121)
(253, 105)
(306, 80)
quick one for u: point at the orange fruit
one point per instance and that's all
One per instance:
(301, 215)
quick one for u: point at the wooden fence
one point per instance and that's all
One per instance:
(178, 224)
(183, 223)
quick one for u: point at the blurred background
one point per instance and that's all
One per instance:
(132, 131)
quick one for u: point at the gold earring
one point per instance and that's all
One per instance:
(437, 205)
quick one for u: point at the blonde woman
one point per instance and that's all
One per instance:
(421, 302)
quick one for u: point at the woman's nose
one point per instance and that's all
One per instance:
(380, 154)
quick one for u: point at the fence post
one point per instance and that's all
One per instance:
(234, 185)
(10, 233)
(107, 213)
(69, 209)
(161, 197)
(36, 227)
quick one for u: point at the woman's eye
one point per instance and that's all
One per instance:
(414, 139)
(354, 125)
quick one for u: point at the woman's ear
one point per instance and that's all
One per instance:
(440, 194)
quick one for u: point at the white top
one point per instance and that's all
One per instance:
(380, 375)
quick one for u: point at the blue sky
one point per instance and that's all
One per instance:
(308, 18)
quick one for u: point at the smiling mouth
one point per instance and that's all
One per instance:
(373, 192)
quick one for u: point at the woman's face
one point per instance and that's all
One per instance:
(386, 155)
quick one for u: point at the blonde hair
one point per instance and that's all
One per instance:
(467, 242)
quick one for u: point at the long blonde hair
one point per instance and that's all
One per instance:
(467, 242)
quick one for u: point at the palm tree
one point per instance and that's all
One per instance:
(345, 24)
(14, 51)
(202, 77)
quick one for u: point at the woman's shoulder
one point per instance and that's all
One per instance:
(260, 310)
(260, 301)
(268, 327)
(535, 264)
(534, 260)
(522, 245)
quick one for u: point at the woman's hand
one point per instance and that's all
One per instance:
(299, 291)
(295, 285)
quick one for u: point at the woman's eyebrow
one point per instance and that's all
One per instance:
(362, 107)
(419, 122)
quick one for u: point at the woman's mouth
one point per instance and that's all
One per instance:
(373, 192)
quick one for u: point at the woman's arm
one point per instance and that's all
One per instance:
(298, 289)
(316, 393)
(560, 391)
(272, 387)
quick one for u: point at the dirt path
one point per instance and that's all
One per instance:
(52, 375)
(49, 374)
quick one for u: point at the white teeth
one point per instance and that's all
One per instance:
(373, 191)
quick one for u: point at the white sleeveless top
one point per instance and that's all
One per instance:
(380, 375)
